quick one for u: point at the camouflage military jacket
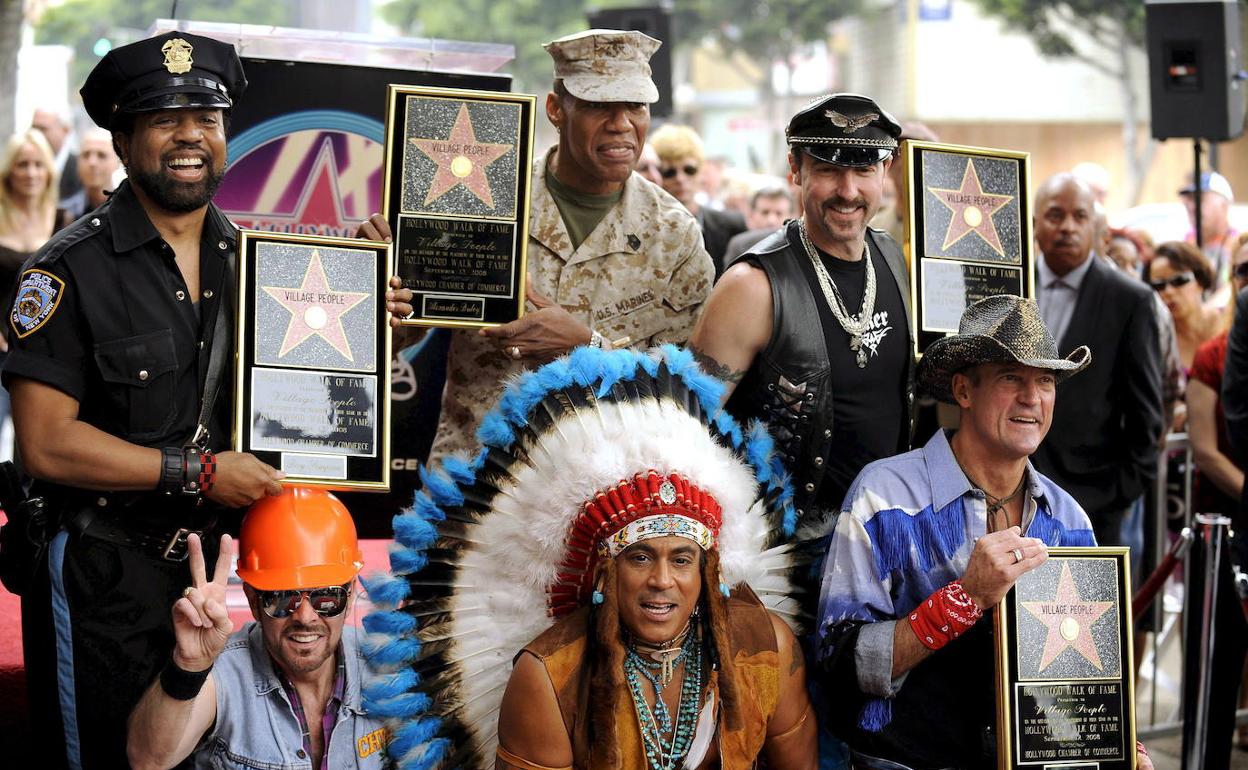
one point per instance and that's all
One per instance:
(641, 274)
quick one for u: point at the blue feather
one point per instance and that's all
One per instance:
(402, 706)
(440, 487)
(393, 623)
(585, 365)
(876, 715)
(424, 507)
(617, 366)
(385, 590)
(413, 733)
(495, 431)
(435, 751)
(415, 531)
(708, 390)
(729, 428)
(459, 470)
(405, 561)
(382, 686)
(524, 393)
(390, 651)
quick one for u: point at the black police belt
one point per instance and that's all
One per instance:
(152, 523)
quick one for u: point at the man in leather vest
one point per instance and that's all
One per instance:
(810, 328)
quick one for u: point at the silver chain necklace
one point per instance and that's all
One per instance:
(854, 325)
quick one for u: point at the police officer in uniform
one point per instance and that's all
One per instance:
(114, 329)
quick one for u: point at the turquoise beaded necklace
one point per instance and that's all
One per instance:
(658, 722)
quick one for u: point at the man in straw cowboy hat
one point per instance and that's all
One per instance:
(930, 540)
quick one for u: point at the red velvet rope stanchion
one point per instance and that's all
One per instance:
(1144, 597)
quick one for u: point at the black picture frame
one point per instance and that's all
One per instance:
(312, 378)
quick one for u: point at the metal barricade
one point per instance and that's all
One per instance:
(1165, 687)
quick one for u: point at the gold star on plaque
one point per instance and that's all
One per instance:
(315, 308)
(461, 160)
(1069, 620)
(972, 210)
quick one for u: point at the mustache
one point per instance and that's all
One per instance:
(296, 627)
(838, 201)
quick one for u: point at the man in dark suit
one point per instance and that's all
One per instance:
(1108, 424)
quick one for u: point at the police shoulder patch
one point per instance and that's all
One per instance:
(37, 297)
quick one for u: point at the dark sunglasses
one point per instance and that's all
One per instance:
(667, 172)
(327, 602)
(1241, 270)
(1174, 281)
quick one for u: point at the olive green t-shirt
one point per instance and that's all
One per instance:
(581, 213)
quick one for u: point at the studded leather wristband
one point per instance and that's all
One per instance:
(191, 473)
(172, 470)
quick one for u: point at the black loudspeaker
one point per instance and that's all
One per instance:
(657, 23)
(1194, 69)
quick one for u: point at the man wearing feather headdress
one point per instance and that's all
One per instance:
(629, 549)
(932, 539)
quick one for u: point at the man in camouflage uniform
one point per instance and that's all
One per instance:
(613, 261)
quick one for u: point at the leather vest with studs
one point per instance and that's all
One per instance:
(790, 384)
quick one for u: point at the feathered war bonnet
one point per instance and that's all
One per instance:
(492, 552)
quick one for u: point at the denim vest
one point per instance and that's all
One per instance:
(256, 727)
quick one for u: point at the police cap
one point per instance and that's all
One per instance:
(176, 70)
(844, 129)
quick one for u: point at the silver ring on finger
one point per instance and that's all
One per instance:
(1018, 555)
(514, 351)
(187, 591)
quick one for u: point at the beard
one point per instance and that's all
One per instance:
(174, 196)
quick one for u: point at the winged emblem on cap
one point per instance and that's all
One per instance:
(850, 124)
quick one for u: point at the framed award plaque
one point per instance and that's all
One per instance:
(1066, 696)
(312, 388)
(456, 196)
(968, 230)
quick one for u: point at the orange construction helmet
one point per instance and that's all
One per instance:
(303, 538)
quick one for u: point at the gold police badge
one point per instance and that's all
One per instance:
(177, 56)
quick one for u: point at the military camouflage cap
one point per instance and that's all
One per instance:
(844, 129)
(1004, 329)
(606, 65)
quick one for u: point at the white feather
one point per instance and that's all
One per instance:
(704, 734)
(523, 541)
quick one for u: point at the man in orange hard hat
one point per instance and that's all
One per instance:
(285, 690)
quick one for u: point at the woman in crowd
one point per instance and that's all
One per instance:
(28, 185)
(1219, 480)
(1181, 276)
(28, 190)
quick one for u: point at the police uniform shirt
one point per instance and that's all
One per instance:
(102, 313)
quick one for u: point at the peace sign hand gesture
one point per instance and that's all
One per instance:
(201, 624)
